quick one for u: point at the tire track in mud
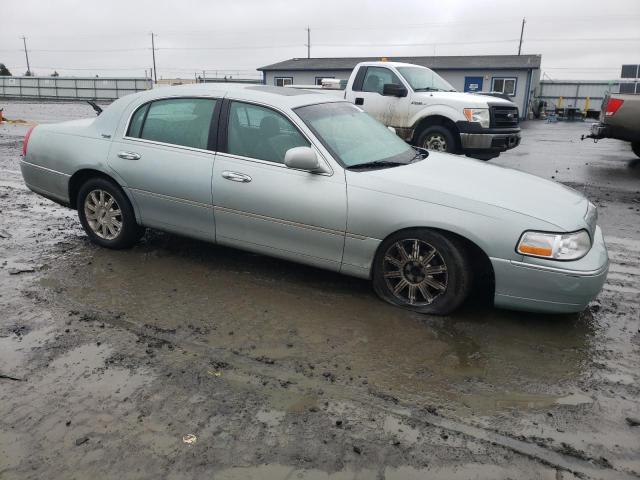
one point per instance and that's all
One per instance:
(568, 460)
(624, 269)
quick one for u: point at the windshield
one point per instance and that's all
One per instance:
(423, 79)
(352, 136)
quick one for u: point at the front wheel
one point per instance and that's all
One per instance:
(422, 270)
(107, 215)
(635, 146)
(438, 139)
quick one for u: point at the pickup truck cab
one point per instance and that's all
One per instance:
(426, 111)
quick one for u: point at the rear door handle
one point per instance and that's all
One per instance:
(359, 101)
(236, 177)
(129, 155)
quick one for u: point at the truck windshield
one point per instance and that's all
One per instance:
(353, 137)
(423, 79)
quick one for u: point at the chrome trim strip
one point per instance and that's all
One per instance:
(250, 215)
(563, 271)
(172, 145)
(276, 164)
(45, 168)
(280, 221)
(170, 198)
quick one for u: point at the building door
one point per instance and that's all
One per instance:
(472, 84)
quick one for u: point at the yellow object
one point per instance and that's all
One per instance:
(541, 251)
(587, 104)
(384, 59)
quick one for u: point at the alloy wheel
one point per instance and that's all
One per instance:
(103, 214)
(415, 272)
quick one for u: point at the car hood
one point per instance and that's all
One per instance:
(470, 100)
(469, 184)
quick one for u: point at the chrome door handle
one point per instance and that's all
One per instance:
(236, 177)
(129, 155)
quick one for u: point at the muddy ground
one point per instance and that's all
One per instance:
(111, 362)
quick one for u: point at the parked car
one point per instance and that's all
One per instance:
(301, 176)
(426, 111)
(620, 119)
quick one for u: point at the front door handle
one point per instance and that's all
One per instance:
(359, 101)
(236, 177)
(129, 155)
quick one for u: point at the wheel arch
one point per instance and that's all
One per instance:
(483, 273)
(439, 120)
(81, 176)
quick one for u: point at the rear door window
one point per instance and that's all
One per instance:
(176, 121)
(262, 133)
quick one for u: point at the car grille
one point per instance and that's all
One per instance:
(504, 117)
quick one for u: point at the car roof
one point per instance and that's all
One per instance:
(389, 64)
(275, 96)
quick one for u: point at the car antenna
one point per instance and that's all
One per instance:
(95, 106)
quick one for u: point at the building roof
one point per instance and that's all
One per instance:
(438, 62)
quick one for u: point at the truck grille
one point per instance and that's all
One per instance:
(504, 117)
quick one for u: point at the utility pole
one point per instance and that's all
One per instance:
(153, 52)
(308, 42)
(24, 41)
(521, 33)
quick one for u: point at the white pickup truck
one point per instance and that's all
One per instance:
(426, 111)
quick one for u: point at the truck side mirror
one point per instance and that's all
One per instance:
(394, 90)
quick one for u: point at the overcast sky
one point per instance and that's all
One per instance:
(580, 39)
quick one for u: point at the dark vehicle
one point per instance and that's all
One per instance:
(619, 119)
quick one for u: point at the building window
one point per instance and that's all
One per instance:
(319, 80)
(283, 81)
(504, 85)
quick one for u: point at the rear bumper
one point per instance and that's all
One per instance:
(551, 286)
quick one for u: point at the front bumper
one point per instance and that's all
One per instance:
(550, 286)
(489, 142)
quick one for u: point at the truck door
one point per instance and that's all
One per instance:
(367, 93)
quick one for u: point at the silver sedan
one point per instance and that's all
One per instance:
(305, 177)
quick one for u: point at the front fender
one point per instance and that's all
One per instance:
(441, 110)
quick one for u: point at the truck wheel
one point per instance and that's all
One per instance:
(422, 270)
(107, 215)
(635, 146)
(437, 138)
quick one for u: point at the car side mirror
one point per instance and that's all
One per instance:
(302, 158)
(394, 90)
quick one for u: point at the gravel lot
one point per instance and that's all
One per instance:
(109, 360)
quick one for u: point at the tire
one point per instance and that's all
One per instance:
(115, 227)
(635, 146)
(437, 138)
(440, 293)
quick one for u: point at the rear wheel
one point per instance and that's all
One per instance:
(107, 215)
(437, 138)
(422, 270)
(635, 146)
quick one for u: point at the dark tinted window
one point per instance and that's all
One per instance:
(262, 133)
(178, 121)
(136, 121)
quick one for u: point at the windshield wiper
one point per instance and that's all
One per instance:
(376, 164)
(426, 89)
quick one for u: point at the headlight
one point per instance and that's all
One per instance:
(557, 246)
(480, 115)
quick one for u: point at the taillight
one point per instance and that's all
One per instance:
(26, 141)
(612, 106)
